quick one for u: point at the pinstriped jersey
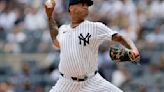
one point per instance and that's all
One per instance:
(79, 47)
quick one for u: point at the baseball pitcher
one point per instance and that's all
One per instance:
(79, 42)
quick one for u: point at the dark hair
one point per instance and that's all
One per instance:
(88, 2)
(73, 2)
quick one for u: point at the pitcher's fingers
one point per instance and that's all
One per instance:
(53, 2)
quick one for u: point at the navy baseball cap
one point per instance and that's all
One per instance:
(88, 2)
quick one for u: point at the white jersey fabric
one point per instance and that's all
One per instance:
(94, 84)
(78, 57)
(75, 58)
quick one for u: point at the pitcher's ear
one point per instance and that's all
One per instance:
(70, 8)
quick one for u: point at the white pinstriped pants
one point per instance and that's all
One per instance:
(94, 84)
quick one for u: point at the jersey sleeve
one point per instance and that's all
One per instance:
(58, 36)
(103, 33)
(60, 31)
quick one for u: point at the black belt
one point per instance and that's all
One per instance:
(79, 79)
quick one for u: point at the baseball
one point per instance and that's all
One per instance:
(49, 4)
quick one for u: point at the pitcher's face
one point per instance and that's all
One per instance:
(79, 10)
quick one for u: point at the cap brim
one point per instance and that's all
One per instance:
(88, 2)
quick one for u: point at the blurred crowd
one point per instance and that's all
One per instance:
(23, 29)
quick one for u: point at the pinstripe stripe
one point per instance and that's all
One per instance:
(79, 65)
(69, 87)
(71, 49)
(75, 87)
(87, 54)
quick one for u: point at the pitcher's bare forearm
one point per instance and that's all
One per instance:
(124, 41)
(53, 28)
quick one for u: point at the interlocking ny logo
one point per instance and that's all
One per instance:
(85, 40)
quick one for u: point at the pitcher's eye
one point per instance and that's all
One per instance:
(84, 4)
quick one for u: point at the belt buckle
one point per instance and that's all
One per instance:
(85, 78)
(81, 79)
(78, 79)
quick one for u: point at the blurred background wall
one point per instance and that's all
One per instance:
(28, 62)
